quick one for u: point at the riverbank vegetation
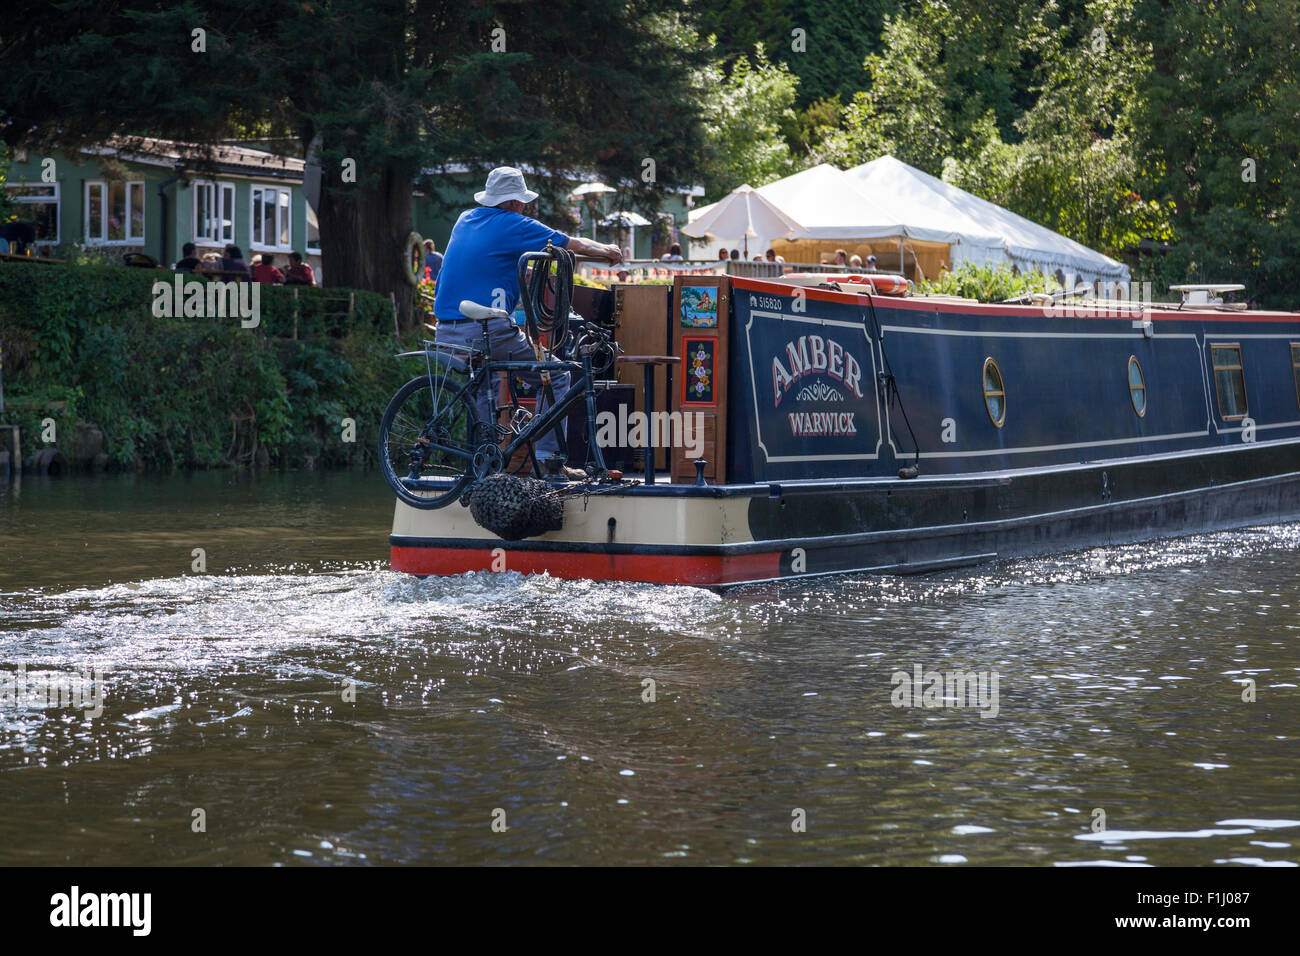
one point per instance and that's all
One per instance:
(85, 353)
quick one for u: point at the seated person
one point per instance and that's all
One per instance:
(674, 253)
(300, 273)
(265, 271)
(481, 264)
(233, 261)
(188, 261)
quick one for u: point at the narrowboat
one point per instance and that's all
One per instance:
(819, 425)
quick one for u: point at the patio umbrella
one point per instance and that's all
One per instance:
(626, 220)
(742, 212)
(591, 189)
(590, 193)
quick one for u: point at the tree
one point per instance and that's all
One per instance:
(944, 66)
(7, 211)
(839, 36)
(745, 113)
(1074, 170)
(826, 54)
(391, 85)
(738, 26)
(1216, 134)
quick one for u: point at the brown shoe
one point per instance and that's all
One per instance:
(574, 474)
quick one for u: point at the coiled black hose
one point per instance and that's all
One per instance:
(552, 271)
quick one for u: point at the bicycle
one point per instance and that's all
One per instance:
(432, 446)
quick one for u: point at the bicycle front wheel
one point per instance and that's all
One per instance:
(427, 439)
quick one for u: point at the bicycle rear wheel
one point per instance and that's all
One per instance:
(427, 439)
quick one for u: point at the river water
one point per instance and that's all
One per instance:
(294, 702)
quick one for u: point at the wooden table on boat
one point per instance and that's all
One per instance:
(648, 364)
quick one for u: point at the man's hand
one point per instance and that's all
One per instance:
(596, 250)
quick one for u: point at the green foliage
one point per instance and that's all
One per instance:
(1115, 122)
(1075, 170)
(745, 113)
(394, 86)
(826, 55)
(1221, 102)
(7, 211)
(987, 283)
(901, 112)
(1118, 123)
(1080, 185)
(840, 34)
(82, 343)
(805, 132)
(944, 66)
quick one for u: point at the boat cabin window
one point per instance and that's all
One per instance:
(1229, 381)
(1295, 369)
(995, 396)
(1137, 386)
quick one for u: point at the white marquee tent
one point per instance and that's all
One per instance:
(974, 221)
(887, 205)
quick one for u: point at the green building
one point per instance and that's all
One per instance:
(151, 196)
(144, 195)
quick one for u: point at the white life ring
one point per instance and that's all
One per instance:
(414, 251)
(883, 283)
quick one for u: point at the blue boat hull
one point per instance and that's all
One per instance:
(865, 433)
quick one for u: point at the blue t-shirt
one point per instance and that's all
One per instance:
(482, 257)
(433, 262)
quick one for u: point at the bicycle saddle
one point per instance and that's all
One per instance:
(472, 310)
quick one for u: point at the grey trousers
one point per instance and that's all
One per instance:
(509, 344)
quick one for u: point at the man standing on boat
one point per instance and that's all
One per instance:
(481, 262)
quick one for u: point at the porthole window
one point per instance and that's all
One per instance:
(1229, 382)
(1137, 386)
(995, 395)
(1295, 369)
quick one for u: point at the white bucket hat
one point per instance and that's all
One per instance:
(503, 184)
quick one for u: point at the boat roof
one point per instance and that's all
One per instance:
(1125, 309)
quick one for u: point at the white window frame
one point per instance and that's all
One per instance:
(307, 214)
(102, 239)
(57, 202)
(219, 191)
(254, 224)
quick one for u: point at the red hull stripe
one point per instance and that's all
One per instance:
(1010, 311)
(652, 568)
